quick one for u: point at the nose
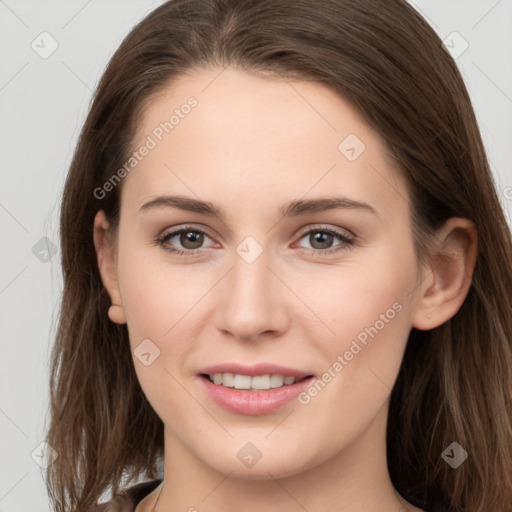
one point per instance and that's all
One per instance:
(253, 301)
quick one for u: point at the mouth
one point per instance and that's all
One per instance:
(253, 389)
(253, 382)
(253, 395)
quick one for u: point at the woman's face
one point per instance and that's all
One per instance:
(325, 292)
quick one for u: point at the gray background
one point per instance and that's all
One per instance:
(43, 103)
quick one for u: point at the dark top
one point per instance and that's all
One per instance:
(127, 499)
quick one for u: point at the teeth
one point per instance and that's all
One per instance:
(217, 378)
(242, 382)
(276, 381)
(258, 382)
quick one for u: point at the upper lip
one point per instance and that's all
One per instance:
(254, 369)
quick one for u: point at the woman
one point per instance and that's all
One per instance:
(369, 369)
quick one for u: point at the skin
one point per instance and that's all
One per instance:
(251, 145)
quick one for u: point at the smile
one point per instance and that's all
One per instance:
(254, 395)
(253, 383)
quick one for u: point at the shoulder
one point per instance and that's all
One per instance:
(127, 499)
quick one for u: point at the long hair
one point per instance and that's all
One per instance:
(382, 57)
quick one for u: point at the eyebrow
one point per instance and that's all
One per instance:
(291, 209)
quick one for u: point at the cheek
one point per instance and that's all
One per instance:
(156, 293)
(366, 311)
(361, 294)
(161, 304)
(361, 358)
(165, 304)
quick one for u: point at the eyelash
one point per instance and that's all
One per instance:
(347, 242)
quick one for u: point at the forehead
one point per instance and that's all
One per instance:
(253, 137)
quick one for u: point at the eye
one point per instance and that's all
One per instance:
(189, 237)
(191, 240)
(321, 238)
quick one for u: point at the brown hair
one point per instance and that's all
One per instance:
(455, 381)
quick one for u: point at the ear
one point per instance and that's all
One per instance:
(107, 265)
(451, 268)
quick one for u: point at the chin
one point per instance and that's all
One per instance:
(273, 463)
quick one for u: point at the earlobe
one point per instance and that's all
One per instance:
(116, 314)
(452, 265)
(107, 266)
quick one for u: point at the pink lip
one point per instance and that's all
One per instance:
(253, 403)
(256, 369)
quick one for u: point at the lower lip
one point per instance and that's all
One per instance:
(254, 403)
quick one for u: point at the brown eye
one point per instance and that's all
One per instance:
(183, 241)
(191, 239)
(321, 240)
